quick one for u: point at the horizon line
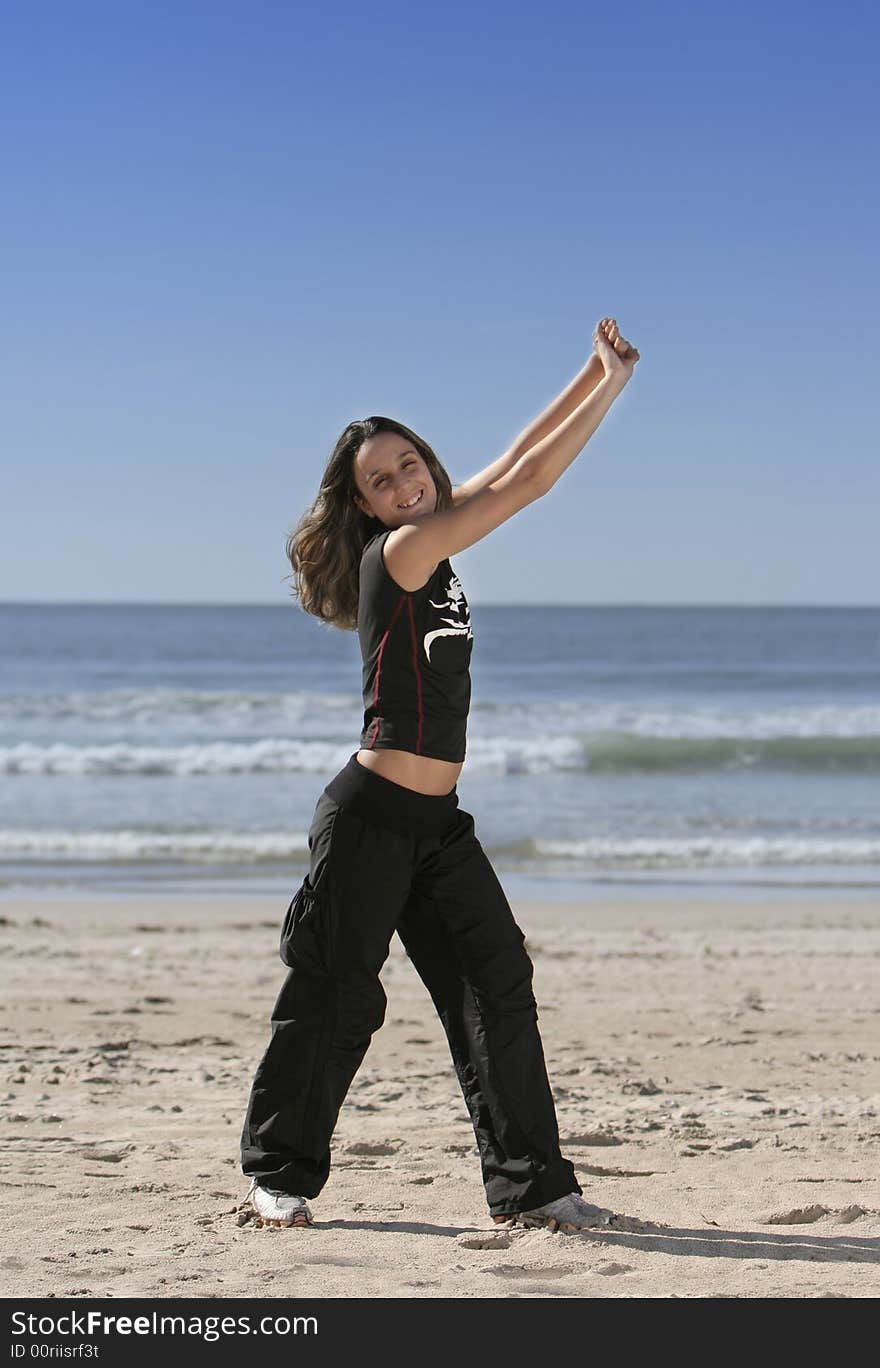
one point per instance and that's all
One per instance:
(476, 603)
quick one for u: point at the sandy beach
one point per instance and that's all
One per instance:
(716, 1067)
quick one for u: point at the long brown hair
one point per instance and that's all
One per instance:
(326, 544)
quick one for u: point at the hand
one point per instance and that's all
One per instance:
(618, 356)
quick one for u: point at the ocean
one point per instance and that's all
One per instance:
(636, 750)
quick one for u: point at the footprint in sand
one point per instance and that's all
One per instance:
(91, 1153)
(798, 1215)
(643, 1087)
(535, 1271)
(484, 1240)
(372, 1147)
(851, 1213)
(806, 1215)
(597, 1137)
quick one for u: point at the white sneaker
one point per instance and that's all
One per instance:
(570, 1211)
(278, 1208)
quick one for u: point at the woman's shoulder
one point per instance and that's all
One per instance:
(374, 568)
(372, 540)
(375, 586)
(371, 555)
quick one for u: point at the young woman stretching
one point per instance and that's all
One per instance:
(390, 848)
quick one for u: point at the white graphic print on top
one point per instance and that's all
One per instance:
(460, 625)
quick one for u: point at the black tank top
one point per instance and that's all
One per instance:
(416, 649)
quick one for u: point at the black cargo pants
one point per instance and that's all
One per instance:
(383, 859)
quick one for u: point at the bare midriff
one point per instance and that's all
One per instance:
(422, 773)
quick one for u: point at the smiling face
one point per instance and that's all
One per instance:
(390, 473)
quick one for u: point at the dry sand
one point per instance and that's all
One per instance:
(716, 1068)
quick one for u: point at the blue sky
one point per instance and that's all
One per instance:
(230, 228)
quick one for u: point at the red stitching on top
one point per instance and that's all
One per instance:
(385, 636)
(412, 628)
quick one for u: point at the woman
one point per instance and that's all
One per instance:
(390, 848)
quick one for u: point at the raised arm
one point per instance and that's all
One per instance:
(549, 457)
(565, 403)
(413, 550)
